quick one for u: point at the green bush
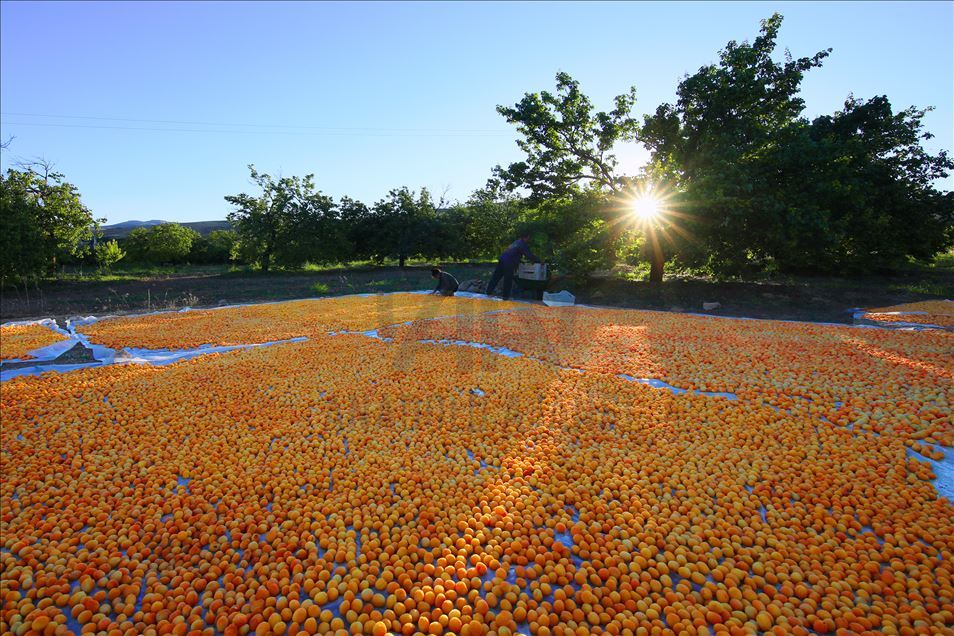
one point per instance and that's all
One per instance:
(215, 248)
(576, 235)
(107, 254)
(166, 243)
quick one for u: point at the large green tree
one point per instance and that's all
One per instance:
(288, 223)
(44, 220)
(570, 169)
(867, 187)
(711, 144)
(314, 231)
(568, 146)
(759, 186)
(23, 250)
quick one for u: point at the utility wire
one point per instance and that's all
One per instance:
(205, 123)
(329, 133)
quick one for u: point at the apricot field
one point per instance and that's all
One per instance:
(16, 341)
(930, 312)
(249, 324)
(349, 484)
(880, 380)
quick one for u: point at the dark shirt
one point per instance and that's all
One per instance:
(446, 283)
(517, 250)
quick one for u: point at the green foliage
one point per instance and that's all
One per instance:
(166, 243)
(356, 229)
(871, 188)
(485, 223)
(107, 254)
(43, 221)
(570, 172)
(288, 224)
(761, 188)
(568, 146)
(404, 225)
(320, 288)
(576, 234)
(215, 248)
(22, 244)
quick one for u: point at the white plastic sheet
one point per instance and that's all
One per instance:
(943, 470)
(49, 352)
(559, 299)
(659, 384)
(160, 357)
(859, 314)
(103, 355)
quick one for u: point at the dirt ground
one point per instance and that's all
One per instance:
(63, 299)
(813, 300)
(810, 299)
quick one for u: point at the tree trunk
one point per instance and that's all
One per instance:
(656, 267)
(657, 260)
(53, 250)
(401, 259)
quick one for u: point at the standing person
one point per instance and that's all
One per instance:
(446, 283)
(507, 265)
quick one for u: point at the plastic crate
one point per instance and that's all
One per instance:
(532, 271)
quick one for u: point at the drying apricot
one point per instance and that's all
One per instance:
(345, 484)
(17, 341)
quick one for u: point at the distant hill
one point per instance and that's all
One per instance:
(122, 230)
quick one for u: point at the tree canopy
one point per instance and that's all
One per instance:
(288, 223)
(404, 225)
(166, 243)
(43, 221)
(760, 186)
(569, 147)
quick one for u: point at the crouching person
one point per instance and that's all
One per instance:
(446, 284)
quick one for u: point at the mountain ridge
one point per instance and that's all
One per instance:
(123, 228)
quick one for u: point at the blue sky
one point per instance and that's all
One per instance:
(370, 97)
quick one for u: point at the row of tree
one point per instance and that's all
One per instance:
(290, 223)
(746, 183)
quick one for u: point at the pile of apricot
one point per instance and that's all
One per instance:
(348, 485)
(251, 324)
(875, 379)
(935, 312)
(16, 341)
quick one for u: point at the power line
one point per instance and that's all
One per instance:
(205, 123)
(331, 133)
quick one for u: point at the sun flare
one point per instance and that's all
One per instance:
(646, 207)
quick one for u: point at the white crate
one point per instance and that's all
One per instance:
(532, 271)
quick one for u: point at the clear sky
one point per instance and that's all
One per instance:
(154, 110)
